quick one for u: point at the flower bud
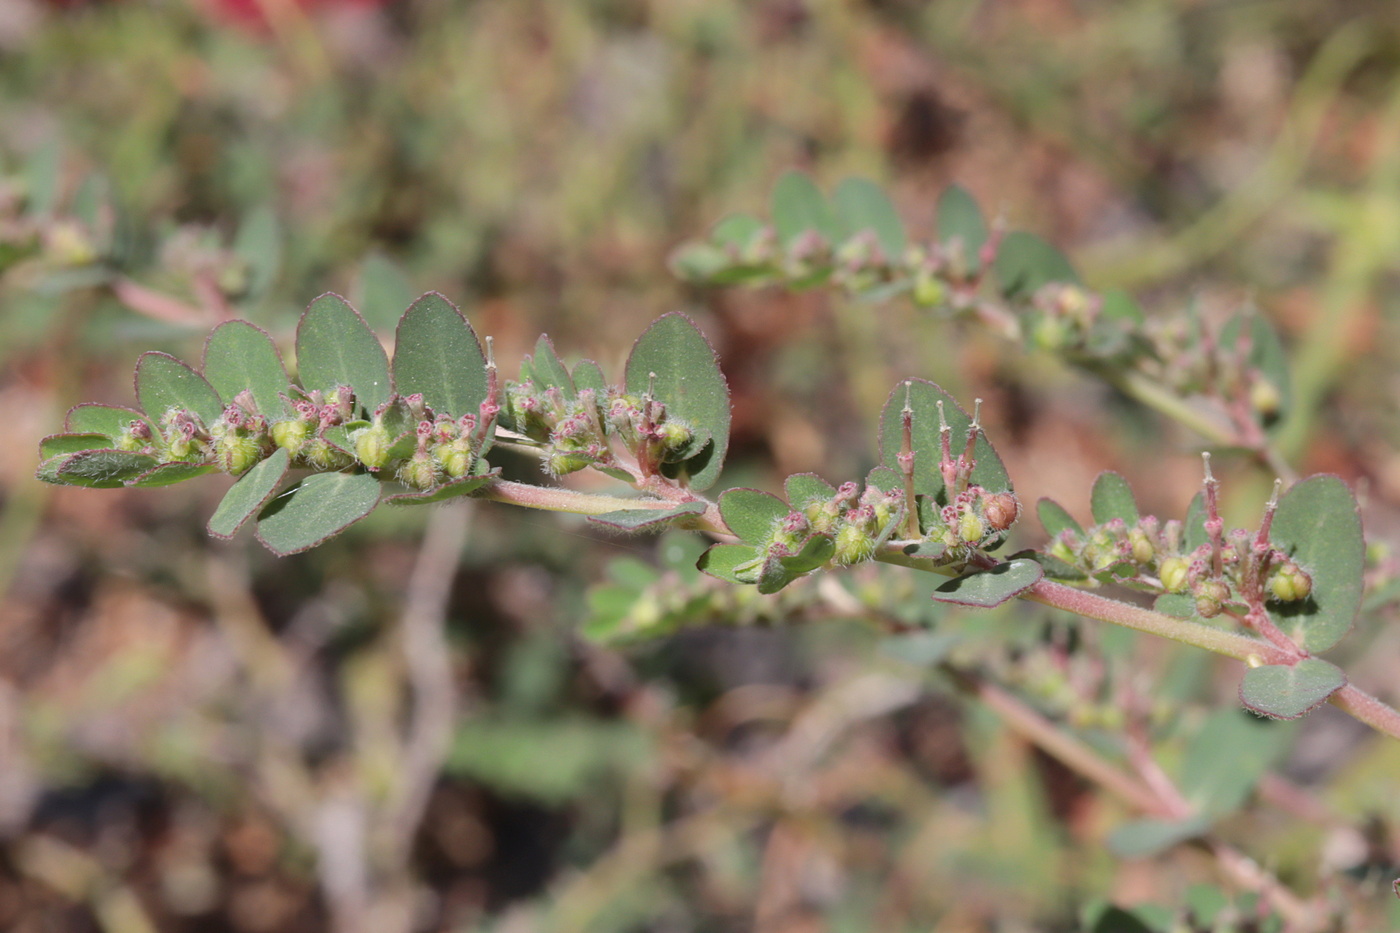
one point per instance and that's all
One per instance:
(853, 545)
(372, 446)
(323, 455)
(1290, 583)
(674, 434)
(419, 471)
(455, 458)
(236, 453)
(1210, 598)
(1174, 574)
(290, 435)
(970, 527)
(1264, 398)
(1001, 510)
(563, 462)
(1141, 546)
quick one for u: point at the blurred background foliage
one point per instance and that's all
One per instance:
(198, 736)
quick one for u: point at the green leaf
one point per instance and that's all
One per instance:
(336, 347)
(1025, 263)
(884, 479)
(110, 420)
(589, 375)
(723, 560)
(1226, 758)
(101, 469)
(736, 231)
(1112, 498)
(1118, 305)
(923, 397)
(799, 206)
(988, 588)
(1193, 527)
(1176, 605)
(58, 445)
(804, 488)
(960, 218)
(1281, 691)
(689, 382)
(315, 509)
(436, 352)
(863, 205)
(1142, 838)
(163, 383)
(816, 553)
(1266, 354)
(464, 486)
(168, 474)
(1056, 518)
(646, 519)
(921, 649)
(751, 513)
(1318, 525)
(248, 495)
(549, 371)
(1118, 920)
(259, 244)
(239, 356)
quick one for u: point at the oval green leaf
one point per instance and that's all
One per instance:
(240, 356)
(1056, 518)
(168, 474)
(1025, 263)
(960, 218)
(248, 495)
(163, 383)
(804, 488)
(863, 205)
(316, 509)
(646, 519)
(800, 206)
(1112, 498)
(751, 513)
(549, 371)
(689, 382)
(988, 588)
(1318, 525)
(436, 352)
(58, 445)
(110, 420)
(589, 375)
(102, 469)
(1281, 691)
(723, 561)
(336, 347)
(464, 486)
(1266, 355)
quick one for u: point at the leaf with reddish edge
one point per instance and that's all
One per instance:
(335, 347)
(111, 420)
(1056, 518)
(58, 445)
(722, 560)
(163, 383)
(168, 474)
(1112, 498)
(437, 354)
(1318, 526)
(96, 469)
(239, 357)
(464, 486)
(751, 513)
(647, 519)
(245, 497)
(988, 588)
(802, 489)
(1283, 691)
(316, 509)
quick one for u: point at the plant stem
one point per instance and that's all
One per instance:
(1363, 707)
(557, 499)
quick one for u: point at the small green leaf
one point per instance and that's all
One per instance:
(1318, 525)
(751, 513)
(1119, 306)
(737, 231)
(1226, 757)
(1025, 263)
(921, 649)
(804, 488)
(589, 375)
(724, 560)
(1142, 838)
(464, 486)
(1193, 527)
(863, 205)
(248, 495)
(163, 383)
(884, 479)
(549, 371)
(923, 397)
(1281, 691)
(436, 353)
(1112, 498)
(1056, 518)
(1118, 920)
(58, 445)
(383, 290)
(689, 382)
(1176, 605)
(960, 218)
(816, 553)
(799, 206)
(168, 474)
(1266, 355)
(239, 356)
(100, 419)
(101, 469)
(646, 519)
(988, 588)
(315, 509)
(259, 244)
(336, 347)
